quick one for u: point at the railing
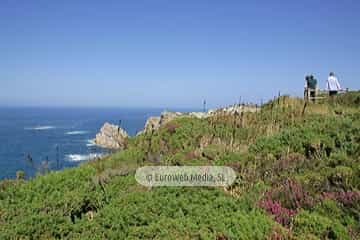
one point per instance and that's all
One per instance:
(319, 94)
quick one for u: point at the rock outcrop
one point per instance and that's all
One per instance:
(199, 114)
(114, 137)
(166, 117)
(111, 136)
(154, 123)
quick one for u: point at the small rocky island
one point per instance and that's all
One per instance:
(111, 136)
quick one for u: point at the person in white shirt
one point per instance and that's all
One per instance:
(332, 84)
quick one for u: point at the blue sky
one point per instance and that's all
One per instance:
(172, 53)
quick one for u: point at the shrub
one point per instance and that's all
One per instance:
(314, 151)
(328, 208)
(171, 127)
(347, 198)
(281, 214)
(340, 177)
(292, 195)
(320, 226)
(20, 175)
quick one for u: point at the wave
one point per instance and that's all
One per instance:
(90, 143)
(82, 157)
(76, 132)
(40, 128)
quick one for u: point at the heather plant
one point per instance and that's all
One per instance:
(349, 199)
(281, 214)
(284, 201)
(292, 195)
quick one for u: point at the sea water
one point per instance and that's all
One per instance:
(56, 138)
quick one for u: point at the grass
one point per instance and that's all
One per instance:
(291, 157)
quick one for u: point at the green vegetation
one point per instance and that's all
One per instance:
(298, 168)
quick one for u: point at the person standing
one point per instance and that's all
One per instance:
(310, 88)
(332, 84)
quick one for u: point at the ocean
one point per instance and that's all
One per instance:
(33, 139)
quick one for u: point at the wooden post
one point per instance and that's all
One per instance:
(308, 94)
(279, 95)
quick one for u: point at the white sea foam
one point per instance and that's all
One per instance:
(82, 157)
(76, 132)
(90, 143)
(40, 128)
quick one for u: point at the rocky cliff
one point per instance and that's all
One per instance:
(153, 123)
(112, 136)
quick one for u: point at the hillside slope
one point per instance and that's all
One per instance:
(298, 171)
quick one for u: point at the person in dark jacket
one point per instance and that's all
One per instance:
(310, 87)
